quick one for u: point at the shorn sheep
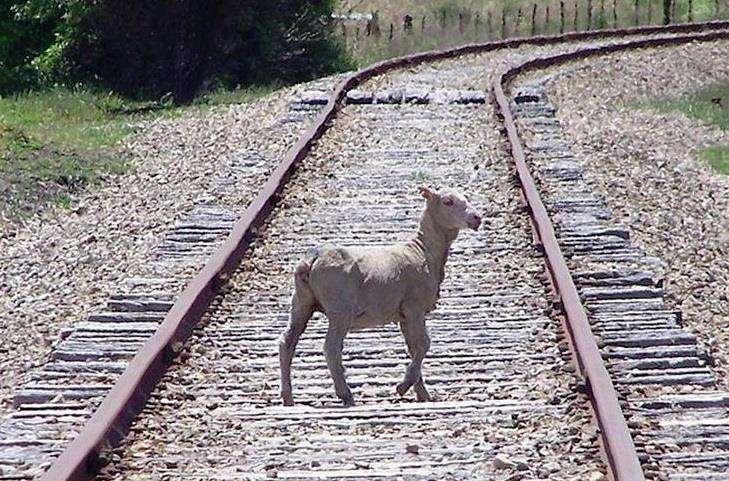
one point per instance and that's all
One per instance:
(365, 287)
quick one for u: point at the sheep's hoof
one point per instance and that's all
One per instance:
(288, 400)
(348, 402)
(423, 397)
(421, 393)
(403, 388)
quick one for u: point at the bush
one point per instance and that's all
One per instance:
(181, 47)
(148, 49)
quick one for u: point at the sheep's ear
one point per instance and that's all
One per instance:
(427, 192)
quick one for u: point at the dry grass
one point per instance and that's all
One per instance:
(444, 23)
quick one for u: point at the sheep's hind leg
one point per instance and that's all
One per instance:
(333, 345)
(301, 312)
(416, 337)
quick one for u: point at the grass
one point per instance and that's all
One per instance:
(420, 177)
(717, 157)
(55, 143)
(445, 23)
(235, 96)
(709, 105)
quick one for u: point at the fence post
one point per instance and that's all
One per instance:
(615, 14)
(407, 24)
(716, 10)
(443, 20)
(637, 13)
(602, 14)
(575, 27)
(503, 23)
(462, 22)
(691, 11)
(489, 26)
(477, 22)
(392, 32)
(666, 12)
(534, 19)
(546, 18)
(422, 24)
(561, 16)
(373, 25)
(517, 25)
(589, 14)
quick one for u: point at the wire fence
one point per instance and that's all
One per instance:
(370, 38)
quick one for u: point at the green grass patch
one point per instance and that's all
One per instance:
(709, 105)
(717, 157)
(54, 143)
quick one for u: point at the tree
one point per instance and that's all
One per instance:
(146, 48)
(21, 40)
(183, 46)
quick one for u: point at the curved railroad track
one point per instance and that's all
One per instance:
(509, 404)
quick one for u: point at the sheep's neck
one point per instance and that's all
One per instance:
(435, 241)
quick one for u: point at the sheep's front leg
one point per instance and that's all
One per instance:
(333, 345)
(418, 341)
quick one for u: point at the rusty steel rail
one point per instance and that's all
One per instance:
(617, 442)
(111, 420)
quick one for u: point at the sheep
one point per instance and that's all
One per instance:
(365, 287)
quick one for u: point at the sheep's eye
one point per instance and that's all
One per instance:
(447, 201)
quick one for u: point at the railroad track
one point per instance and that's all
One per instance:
(508, 402)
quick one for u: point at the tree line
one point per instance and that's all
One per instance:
(156, 48)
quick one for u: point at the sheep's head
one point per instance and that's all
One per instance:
(451, 209)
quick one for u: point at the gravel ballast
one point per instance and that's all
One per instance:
(646, 165)
(359, 186)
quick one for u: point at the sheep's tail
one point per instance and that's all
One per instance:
(303, 293)
(301, 274)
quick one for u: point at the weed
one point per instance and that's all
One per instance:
(54, 143)
(709, 105)
(717, 157)
(419, 177)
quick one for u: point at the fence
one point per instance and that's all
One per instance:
(369, 38)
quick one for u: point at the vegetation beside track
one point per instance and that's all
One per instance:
(55, 142)
(709, 105)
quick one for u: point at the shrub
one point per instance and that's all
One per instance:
(148, 49)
